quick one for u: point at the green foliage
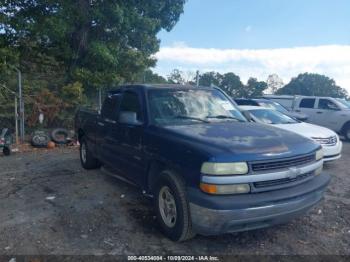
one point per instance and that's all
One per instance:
(232, 85)
(313, 85)
(99, 42)
(176, 77)
(210, 78)
(254, 88)
(72, 94)
(151, 78)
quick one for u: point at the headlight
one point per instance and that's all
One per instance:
(237, 168)
(225, 189)
(319, 154)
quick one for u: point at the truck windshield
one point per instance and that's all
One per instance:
(345, 104)
(168, 106)
(268, 116)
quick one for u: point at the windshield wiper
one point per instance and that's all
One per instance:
(225, 117)
(192, 118)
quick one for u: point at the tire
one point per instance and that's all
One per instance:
(7, 151)
(40, 139)
(347, 132)
(60, 136)
(178, 226)
(88, 161)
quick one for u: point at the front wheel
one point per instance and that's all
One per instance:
(172, 208)
(88, 161)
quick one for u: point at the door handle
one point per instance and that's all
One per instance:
(297, 111)
(100, 124)
(319, 112)
(110, 121)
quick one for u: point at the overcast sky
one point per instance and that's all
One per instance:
(260, 37)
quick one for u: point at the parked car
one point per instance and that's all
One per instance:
(5, 141)
(209, 170)
(325, 111)
(285, 100)
(328, 139)
(270, 104)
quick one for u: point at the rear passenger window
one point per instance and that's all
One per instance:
(307, 103)
(131, 103)
(110, 107)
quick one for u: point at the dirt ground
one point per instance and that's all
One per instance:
(50, 205)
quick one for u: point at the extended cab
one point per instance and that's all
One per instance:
(329, 112)
(209, 170)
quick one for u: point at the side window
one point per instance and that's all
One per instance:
(327, 104)
(110, 107)
(131, 103)
(307, 103)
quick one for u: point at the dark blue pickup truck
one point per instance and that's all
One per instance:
(208, 169)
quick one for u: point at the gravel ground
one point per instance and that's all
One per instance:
(50, 205)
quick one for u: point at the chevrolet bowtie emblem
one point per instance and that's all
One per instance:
(293, 172)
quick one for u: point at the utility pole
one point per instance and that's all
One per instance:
(197, 78)
(99, 99)
(21, 105)
(16, 119)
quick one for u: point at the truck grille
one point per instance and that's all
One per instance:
(328, 141)
(282, 181)
(280, 164)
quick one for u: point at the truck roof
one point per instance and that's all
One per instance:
(158, 86)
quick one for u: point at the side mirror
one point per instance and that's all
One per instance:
(129, 118)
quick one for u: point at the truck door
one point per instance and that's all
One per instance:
(327, 114)
(128, 138)
(307, 106)
(106, 127)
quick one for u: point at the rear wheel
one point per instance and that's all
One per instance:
(7, 151)
(172, 207)
(88, 161)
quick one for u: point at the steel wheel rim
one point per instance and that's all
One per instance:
(348, 133)
(167, 207)
(83, 152)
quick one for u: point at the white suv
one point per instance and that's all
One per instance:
(325, 111)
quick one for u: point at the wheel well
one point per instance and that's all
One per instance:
(80, 134)
(154, 169)
(347, 124)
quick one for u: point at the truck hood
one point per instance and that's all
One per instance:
(236, 141)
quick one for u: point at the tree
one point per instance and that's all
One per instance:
(176, 77)
(254, 88)
(210, 78)
(313, 85)
(274, 82)
(232, 85)
(88, 43)
(100, 43)
(153, 78)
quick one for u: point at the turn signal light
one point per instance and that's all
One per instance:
(225, 189)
